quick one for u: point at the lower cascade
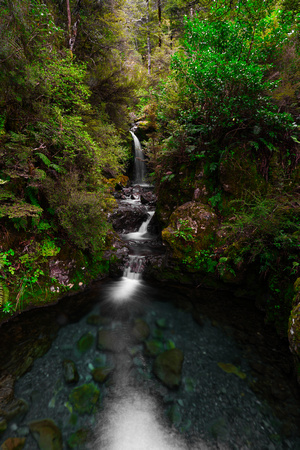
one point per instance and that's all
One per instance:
(155, 367)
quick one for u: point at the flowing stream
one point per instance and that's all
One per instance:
(100, 382)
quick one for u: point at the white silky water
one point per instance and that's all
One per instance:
(139, 161)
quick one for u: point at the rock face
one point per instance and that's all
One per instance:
(294, 328)
(47, 434)
(128, 218)
(10, 406)
(167, 367)
(192, 221)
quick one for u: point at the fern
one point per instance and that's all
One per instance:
(44, 158)
(49, 164)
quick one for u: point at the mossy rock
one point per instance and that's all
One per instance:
(78, 439)
(167, 367)
(101, 374)
(85, 342)
(47, 434)
(84, 398)
(154, 347)
(192, 225)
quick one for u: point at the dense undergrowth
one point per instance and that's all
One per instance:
(227, 136)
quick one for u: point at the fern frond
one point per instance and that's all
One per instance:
(57, 168)
(44, 158)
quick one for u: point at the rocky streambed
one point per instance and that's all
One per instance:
(207, 386)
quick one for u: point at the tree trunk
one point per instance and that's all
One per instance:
(159, 21)
(148, 40)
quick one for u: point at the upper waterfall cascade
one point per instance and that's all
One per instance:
(139, 161)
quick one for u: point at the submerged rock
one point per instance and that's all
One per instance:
(78, 439)
(84, 398)
(70, 371)
(101, 374)
(168, 366)
(85, 342)
(140, 330)
(112, 341)
(47, 434)
(13, 444)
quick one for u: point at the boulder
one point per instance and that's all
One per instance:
(47, 434)
(168, 366)
(191, 224)
(128, 218)
(148, 198)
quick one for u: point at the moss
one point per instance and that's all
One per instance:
(84, 398)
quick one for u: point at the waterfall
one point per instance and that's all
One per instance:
(139, 161)
(134, 267)
(142, 233)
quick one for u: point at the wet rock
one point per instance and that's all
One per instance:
(168, 366)
(112, 341)
(148, 198)
(47, 434)
(219, 428)
(161, 323)
(78, 439)
(101, 374)
(153, 347)
(10, 406)
(13, 444)
(85, 342)
(140, 330)
(84, 398)
(96, 319)
(128, 218)
(70, 371)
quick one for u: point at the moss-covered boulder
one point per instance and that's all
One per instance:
(191, 226)
(168, 366)
(47, 434)
(84, 398)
